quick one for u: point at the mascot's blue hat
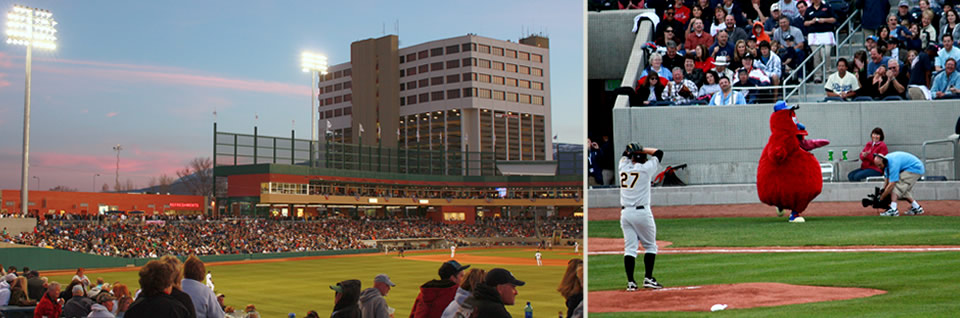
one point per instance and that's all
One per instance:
(801, 126)
(780, 105)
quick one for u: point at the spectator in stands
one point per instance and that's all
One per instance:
(697, 36)
(436, 294)
(819, 21)
(859, 67)
(884, 35)
(722, 46)
(896, 29)
(947, 52)
(104, 307)
(691, 72)
(873, 14)
(650, 91)
(928, 33)
(474, 277)
(735, 33)
(656, 66)
(893, 50)
(799, 21)
(769, 63)
(903, 12)
(950, 25)
(631, 4)
(12, 270)
(710, 85)
(78, 305)
(740, 49)
(755, 73)
(708, 11)
(780, 34)
(18, 293)
(5, 288)
(789, 55)
(668, 22)
(759, 35)
(913, 42)
(571, 285)
(901, 171)
(921, 66)
(871, 43)
(719, 18)
(726, 95)
(177, 291)
(945, 84)
(924, 6)
(876, 60)
(672, 59)
(695, 13)
(773, 21)
(35, 288)
(867, 167)
(499, 288)
(345, 301)
(703, 59)
(679, 91)
(744, 81)
(872, 87)
(842, 84)
(49, 306)
(788, 8)
(251, 311)
(681, 12)
(896, 81)
(372, 301)
(204, 300)
(720, 66)
(156, 284)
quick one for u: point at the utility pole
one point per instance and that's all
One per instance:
(117, 148)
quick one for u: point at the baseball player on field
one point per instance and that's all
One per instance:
(539, 262)
(636, 218)
(453, 250)
(576, 247)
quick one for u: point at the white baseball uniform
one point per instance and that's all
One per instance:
(576, 247)
(453, 250)
(210, 281)
(636, 218)
(539, 262)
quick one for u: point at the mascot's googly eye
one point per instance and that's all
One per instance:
(795, 119)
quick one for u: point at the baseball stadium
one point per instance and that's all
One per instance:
(723, 244)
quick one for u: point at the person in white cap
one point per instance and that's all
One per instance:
(538, 255)
(372, 303)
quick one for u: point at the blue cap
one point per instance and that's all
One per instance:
(874, 38)
(780, 105)
(801, 126)
(292, 315)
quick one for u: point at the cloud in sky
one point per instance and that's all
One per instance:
(111, 114)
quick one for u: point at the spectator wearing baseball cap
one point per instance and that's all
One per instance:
(104, 307)
(345, 301)
(372, 303)
(499, 289)
(436, 294)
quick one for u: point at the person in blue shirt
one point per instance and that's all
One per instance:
(948, 51)
(945, 84)
(901, 171)
(726, 95)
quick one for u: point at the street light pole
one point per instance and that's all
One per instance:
(118, 148)
(29, 27)
(94, 188)
(317, 65)
(38, 182)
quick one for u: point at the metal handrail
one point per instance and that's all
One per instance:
(820, 67)
(851, 30)
(923, 150)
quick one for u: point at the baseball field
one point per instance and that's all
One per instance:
(299, 285)
(852, 264)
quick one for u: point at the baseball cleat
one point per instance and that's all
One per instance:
(650, 282)
(890, 212)
(798, 219)
(915, 211)
(631, 286)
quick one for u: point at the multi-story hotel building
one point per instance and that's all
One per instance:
(467, 93)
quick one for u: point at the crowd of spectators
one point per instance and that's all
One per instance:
(241, 236)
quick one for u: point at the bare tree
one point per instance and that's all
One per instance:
(164, 183)
(152, 183)
(198, 176)
(105, 188)
(63, 188)
(129, 185)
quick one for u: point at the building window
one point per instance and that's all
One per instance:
(424, 83)
(536, 71)
(338, 99)
(328, 77)
(338, 112)
(329, 101)
(536, 58)
(466, 47)
(498, 51)
(524, 56)
(329, 114)
(411, 71)
(469, 61)
(321, 115)
(403, 101)
(497, 65)
(348, 110)
(469, 92)
(537, 100)
(511, 82)
(511, 97)
(411, 84)
(523, 70)
(497, 80)
(403, 86)
(484, 48)
(498, 95)
(438, 95)
(524, 98)
(423, 68)
(436, 66)
(402, 59)
(536, 85)
(403, 73)
(338, 74)
(436, 52)
(328, 89)
(348, 85)
(524, 84)
(337, 87)
(483, 93)
(423, 54)
(412, 99)
(511, 53)
(348, 72)
(510, 68)
(453, 63)
(469, 77)
(484, 78)
(411, 57)
(436, 80)
(484, 63)
(348, 97)
(455, 78)
(453, 49)
(424, 97)
(453, 93)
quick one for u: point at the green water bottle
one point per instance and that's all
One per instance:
(528, 311)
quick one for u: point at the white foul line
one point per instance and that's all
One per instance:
(794, 250)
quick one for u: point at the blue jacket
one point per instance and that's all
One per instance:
(874, 13)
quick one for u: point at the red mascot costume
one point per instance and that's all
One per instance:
(788, 177)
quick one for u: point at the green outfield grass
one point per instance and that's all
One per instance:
(917, 284)
(298, 286)
(827, 231)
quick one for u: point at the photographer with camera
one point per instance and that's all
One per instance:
(901, 171)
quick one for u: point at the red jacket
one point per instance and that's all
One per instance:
(866, 162)
(47, 307)
(434, 297)
(787, 177)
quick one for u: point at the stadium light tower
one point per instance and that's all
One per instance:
(317, 66)
(33, 28)
(117, 148)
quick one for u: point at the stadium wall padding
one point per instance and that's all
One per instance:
(722, 145)
(53, 259)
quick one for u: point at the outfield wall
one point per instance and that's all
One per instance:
(747, 193)
(53, 259)
(722, 145)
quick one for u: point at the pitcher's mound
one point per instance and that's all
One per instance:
(701, 298)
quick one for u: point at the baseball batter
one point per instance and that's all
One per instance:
(636, 218)
(539, 262)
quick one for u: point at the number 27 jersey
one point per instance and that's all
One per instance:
(635, 181)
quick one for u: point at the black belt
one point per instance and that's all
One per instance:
(639, 207)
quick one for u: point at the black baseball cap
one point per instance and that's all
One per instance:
(450, 268)
(789, 37)
(498, 276)
(748, 56)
